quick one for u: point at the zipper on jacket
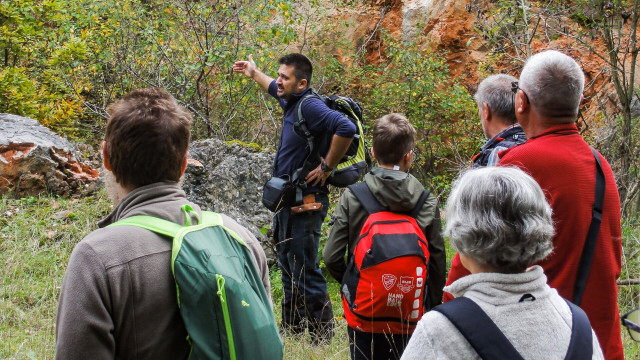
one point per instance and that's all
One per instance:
(225, 311)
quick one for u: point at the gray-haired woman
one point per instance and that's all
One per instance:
(500, 223)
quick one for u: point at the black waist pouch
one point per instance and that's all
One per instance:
(277, 193)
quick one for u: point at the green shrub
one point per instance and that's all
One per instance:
(17, 93)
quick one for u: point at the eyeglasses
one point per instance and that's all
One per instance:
(514, 90)
(630, 320)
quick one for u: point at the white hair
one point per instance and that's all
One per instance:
(499, 217)
(495, 91)
(553, 83)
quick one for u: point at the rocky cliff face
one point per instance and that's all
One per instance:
(452, 24)
(447, 23)
(34, 160)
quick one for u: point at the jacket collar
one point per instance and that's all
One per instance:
(296, 97)
(502, 135)
(144, 201)
(562, 129)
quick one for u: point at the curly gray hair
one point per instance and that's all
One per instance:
(499, 217)
(554, 83)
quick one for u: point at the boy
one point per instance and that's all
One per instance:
(397, 191)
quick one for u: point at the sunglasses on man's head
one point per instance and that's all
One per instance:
(514, 90)
(630, 320)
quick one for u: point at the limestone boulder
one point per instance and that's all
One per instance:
(228, 178)
(34, 160)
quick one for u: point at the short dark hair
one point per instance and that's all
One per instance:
(393, 138)
(302, 68)
(147, 137)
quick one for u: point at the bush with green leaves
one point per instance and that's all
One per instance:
(68, 60)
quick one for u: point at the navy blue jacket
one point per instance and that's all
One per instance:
(322, 122)
(505, 139)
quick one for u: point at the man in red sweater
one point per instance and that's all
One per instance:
(547, 98)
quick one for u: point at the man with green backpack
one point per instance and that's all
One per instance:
(162, 279)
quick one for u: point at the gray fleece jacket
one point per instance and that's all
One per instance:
(118, 296)
(539, 329)
(399, 192)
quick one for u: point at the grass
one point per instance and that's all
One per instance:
(36, 239)
(37, 236)
(299, 347)
(629, 295)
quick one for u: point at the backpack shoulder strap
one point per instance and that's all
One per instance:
(211, 218)
(592, 234)
(416, 210)
(300, 127)
(479, 330)
(301, 123)
(154, 224)
(312, 93)
(365, 197)
(581, 344)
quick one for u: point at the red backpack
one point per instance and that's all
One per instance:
(384, 288)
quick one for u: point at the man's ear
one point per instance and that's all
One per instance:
(521, 103)
(105, 156)
(409, 158)
(486, 112)
(184, 164)
(302, 84)
(373, 155)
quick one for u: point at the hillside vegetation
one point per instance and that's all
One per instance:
(63, 62)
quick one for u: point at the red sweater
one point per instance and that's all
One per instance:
(564, 167)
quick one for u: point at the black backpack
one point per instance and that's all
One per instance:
(357, 159)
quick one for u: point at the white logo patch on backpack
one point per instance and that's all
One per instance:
(388, 280)
(405, 284)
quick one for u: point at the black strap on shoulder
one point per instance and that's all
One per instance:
(300, 127)
(592, 235)
(372, 205)
(490, 343)
(480, 331)
(365, 197)
(416, 210)
(581, 345)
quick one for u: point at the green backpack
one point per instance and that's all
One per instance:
(222, 299)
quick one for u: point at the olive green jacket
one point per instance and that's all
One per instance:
(398, 192)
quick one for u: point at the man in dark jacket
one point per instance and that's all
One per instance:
(497, 113)
(118, 298)
(297, 232)
(398, 191)
(498, 118)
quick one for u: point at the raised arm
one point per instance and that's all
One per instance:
(249, 69)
